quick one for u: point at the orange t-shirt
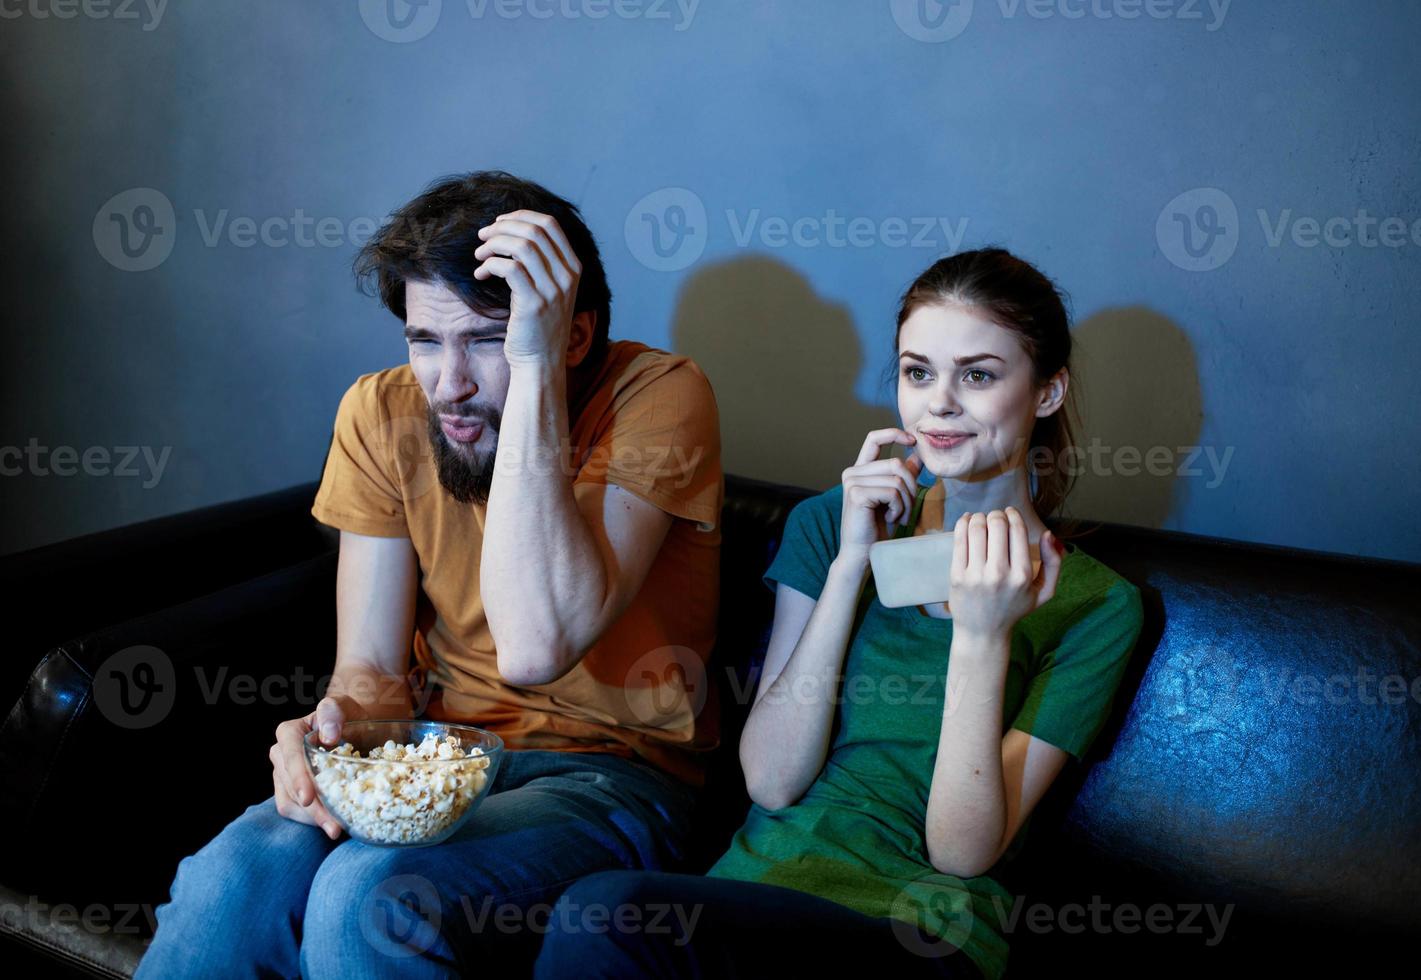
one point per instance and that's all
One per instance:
(648, 423)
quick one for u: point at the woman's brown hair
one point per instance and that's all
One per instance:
(1015, 295)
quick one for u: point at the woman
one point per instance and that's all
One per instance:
(894, 755)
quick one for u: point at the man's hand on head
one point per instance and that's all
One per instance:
(530, 251)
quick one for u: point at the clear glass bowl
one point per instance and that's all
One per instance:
(392, 802)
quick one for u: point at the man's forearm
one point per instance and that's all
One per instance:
(542, 578)
(966, 814)
(381, 695)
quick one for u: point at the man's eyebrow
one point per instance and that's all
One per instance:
(959, 361)
(416, 332)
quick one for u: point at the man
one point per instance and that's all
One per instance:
(533, 511)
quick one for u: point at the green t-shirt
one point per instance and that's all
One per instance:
(856, 837)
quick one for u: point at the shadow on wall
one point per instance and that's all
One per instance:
(784, 364)
(1138, 393)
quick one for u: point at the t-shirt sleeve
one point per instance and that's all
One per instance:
(808, 546)
(360, 490)
(663, 445)
(1068, 700)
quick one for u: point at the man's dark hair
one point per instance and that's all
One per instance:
(433, 237)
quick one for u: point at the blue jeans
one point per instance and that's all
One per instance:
(270, 896)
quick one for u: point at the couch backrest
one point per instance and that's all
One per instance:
(1265, 747)
(66, 589)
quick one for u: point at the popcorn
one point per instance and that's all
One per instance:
(414, 796)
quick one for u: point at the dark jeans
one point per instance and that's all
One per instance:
(272, 897)
(660, 924)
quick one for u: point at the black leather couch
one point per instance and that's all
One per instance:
(1222, 781)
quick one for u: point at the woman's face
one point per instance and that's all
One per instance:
(965, 390)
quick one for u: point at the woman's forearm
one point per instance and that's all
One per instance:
(786, 736)
(966, 815)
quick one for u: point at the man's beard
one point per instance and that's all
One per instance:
(467, 476)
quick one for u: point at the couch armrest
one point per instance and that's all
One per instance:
(57, 941)
(131, 746)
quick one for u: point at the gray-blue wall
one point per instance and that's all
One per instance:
(1162, 167)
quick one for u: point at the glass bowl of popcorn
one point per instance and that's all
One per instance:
(407, 783)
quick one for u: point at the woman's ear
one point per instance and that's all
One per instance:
(579, 341)
(1052, 394)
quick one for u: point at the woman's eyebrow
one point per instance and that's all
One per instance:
(959, 361)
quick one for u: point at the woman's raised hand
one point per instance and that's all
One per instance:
(993, 586)
(877, 493)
